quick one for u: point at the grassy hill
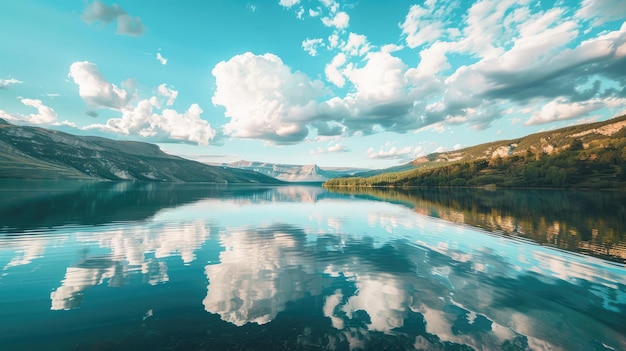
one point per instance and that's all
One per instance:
(587, 156)
(39, 153)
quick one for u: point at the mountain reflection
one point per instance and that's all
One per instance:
(29, 205)
(590, 222)
(339, 271)
(429, 292)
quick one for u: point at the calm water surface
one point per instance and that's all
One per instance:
(144, 266)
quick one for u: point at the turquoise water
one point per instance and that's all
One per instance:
(143, 266)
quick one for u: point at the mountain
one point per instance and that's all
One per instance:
(589, 155)
(295, 173)
(38, 153)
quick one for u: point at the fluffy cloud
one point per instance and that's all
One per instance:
(95, 90)
(329, 150)
(433, 60)
(141, 118)
(602, 10)
(333, 40)
(389, 48)
(167, 125)
(99, 12)
(501, 58)
(169, 93)
(161, 59)
(332, 72)
(264, 99)
(357, 45)
(537, 54)
(44, 115)
(554, 70)
(311, 45)
(419, 27)
(288, 3)
(393, 153)
(561, 109)
(340, 20)
(331, 5)
(6, 83)
(380, 81)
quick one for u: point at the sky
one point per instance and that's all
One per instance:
(337, 83)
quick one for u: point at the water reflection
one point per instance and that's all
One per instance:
(32, 205)
(455, 284)
(299, 268)
(132, 251)
(590, 222)
(88, 273)
(258, 273)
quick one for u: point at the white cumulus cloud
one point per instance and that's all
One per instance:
(161, 59)
(561, 109)
(602, 10)
(381, 80)
(144, 118)
(169, 93)
(167, 125)
(357, 45)
(6, 83)
(95, 90)
(288, 3)
(45, 114)
(332, 72)
(264, 99)
(341, 20)
(99, 12)
(329, 150)
(420, 27)
(392, 153)
(311, 45)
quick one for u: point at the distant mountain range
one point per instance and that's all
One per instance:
(588, 155)
(591, 155)
(39, 153)
(295, 173)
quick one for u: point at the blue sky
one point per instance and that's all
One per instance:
(337, 83)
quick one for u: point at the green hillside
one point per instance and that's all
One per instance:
(39, 153)
(585, 156)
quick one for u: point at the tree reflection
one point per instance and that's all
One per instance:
(590, 222)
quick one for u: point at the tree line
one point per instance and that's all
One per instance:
(600, 164)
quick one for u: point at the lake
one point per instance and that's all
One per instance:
(150, 266)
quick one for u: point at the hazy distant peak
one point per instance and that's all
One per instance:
(294, 173)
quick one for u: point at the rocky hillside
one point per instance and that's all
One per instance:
(590, 155)
(294, 173)
(38, 153)
(547, 143)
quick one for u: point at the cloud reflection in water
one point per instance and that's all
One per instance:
(453, 280)
(369, 273)
(132, 250)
